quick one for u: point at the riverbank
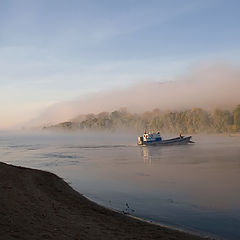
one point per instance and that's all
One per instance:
(35, 204)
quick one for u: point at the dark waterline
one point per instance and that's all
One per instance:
(195, 188)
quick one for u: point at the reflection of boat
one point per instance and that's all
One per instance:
(147, 158)
(156, 139)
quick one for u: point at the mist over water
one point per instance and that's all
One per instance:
(206, 86)
(192, 187)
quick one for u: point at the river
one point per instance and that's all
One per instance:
(192, 187)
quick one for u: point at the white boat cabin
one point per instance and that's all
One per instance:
(150, 137)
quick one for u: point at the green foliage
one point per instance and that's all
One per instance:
(195, 120)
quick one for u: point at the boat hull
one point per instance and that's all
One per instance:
(167, 142)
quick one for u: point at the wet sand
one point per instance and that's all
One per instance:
(35, 204)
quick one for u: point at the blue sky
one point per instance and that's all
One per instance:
(59, 50)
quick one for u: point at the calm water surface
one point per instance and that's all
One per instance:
(194, 187)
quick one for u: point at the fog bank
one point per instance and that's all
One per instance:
(205, 86)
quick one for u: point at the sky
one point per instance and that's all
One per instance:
(61, 50)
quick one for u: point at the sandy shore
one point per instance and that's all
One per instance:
(39, 205)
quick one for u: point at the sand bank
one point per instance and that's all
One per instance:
(35, 204)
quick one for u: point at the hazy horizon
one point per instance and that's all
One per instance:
(207, 87)
(60, 59)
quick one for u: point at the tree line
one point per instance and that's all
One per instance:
(194, 120)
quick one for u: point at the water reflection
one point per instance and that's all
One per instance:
(147, 158)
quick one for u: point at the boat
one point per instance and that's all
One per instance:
(156, 139)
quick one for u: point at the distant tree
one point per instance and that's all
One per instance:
(169, 121)
(103, 115)
(65, 125)
(195, 120)
(156, 124)
(181, 122)
(221, 121)
(115, 115)
(236, 118)
(90, 116)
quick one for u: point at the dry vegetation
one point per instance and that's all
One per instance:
(191, 121)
